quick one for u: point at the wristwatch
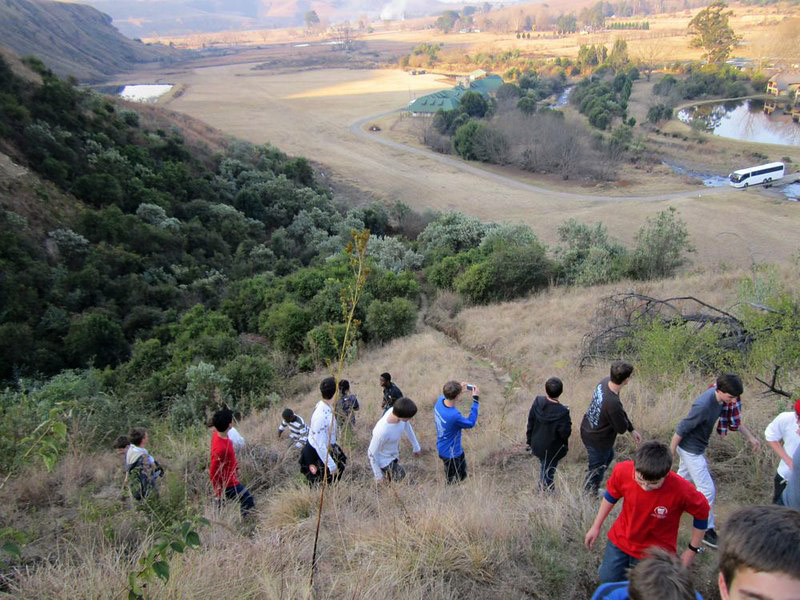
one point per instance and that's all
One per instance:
(696, 550)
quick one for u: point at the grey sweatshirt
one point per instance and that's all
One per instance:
(695, 430)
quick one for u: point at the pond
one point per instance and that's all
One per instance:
(146, 92)
(750, 120)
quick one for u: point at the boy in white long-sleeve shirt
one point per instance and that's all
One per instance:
(384, 449)
(321, 448)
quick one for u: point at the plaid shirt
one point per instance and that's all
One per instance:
(731, 417)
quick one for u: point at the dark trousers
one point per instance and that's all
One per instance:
(599, 459)
(245, 498)
(615, 564)
(308, 458)
(547, 472)
(780, 485)
(393, 471)
(455, 468)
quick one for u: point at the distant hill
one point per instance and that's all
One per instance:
(73, 39)
(151, 18)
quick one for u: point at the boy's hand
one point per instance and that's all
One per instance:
(687, 558)
(419, 452)
(312, 469)
(637, 437)
(590, 538)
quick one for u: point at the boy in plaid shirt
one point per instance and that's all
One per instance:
(721, 405)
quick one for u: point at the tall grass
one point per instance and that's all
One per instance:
(494, 536)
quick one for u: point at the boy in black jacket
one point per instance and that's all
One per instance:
(549, 428)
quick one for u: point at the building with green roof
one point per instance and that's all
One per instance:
(450, 99)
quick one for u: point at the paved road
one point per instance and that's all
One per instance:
(357, 128)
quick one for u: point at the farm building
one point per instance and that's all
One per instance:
(429, 104)
(784, 83)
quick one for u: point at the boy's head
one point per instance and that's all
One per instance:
(661, 575)
(730, 385)
(327, 388)
(222, 420)
(288, 415)
(404, 408)
(121, 443)
(451, 390)
(136, 436)
(620, 372)
(760, 554)
(386, 379)
(553, 387)
(344, 387)
(652, 463)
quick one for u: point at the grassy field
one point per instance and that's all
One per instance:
(312, 113)
(493, 537)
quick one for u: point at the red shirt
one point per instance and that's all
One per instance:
(652, 518)
(223, 464)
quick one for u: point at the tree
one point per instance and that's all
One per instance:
(711, 32)
(650, 56)
(312, 19)
(447, 20)
(474, 104)
(526, 105)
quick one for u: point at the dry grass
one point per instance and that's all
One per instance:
(493, 537)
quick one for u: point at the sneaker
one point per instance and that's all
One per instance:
(710, 538)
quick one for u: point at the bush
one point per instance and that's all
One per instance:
(587, 256)
(506, 274)
(389, 320)
(452, 233)
(286, 324)
(248, 375)
(391, 254)
(324, 342)
(464, 139)
(96, 338)
(661, 246)
(659, 112)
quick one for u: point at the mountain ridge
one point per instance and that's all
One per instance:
(74, 39)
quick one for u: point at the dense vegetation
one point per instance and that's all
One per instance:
(172, 256)
(182, 278)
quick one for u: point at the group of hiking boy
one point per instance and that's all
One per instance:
(642, 542)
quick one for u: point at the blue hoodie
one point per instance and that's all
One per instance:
(449, 423)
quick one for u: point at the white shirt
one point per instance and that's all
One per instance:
(322, 433)
(385, 445)
(236, 439)
(133, 454)
(784, 429)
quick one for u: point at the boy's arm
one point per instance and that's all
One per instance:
(688, 556)
(606, 506)
(531, 424)
(355, 403)
(374, 446)
(412, 437)
(692, 420)
(565, 428)
(215, 470)
(754, 441)
(778, 448)
(673, 444)
(620, 421)
(281, 427)
(469, 422)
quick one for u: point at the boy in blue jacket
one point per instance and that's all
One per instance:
(449, 423)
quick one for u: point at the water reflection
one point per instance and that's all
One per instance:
(751, 120)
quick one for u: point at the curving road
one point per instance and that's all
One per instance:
(357, 129)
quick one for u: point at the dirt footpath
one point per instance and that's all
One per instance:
(319, 114)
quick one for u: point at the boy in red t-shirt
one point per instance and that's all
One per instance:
(654, 500)
(223, 464)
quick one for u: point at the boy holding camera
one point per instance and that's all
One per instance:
(449, 423)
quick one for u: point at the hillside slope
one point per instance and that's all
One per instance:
(73, 39)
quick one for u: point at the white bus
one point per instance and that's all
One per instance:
(756, 175)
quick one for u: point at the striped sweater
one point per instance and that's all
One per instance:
(298, 430)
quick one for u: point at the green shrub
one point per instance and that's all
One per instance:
(248, 375)
(389, 320)
(661, 246)
(324, 342)
(286, 324)
(587, 256)
(464, 139)
(506, 274)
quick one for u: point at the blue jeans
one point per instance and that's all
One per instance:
(547, 473)
(239, 492)
(599, 459)
(615, 564)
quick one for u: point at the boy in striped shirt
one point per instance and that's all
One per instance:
(298, 430)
